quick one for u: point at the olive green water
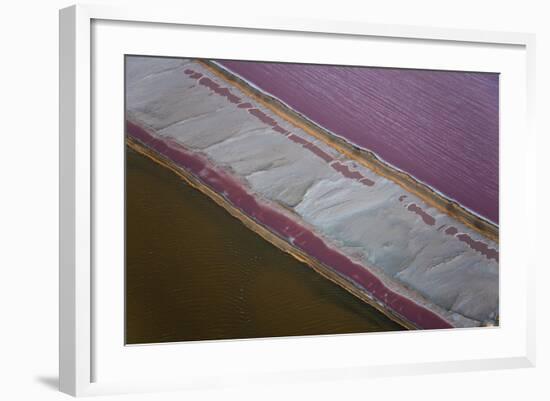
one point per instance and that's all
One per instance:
(193, 272)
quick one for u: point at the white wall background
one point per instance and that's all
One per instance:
(29, 185)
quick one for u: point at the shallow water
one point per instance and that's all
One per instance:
(196, 273)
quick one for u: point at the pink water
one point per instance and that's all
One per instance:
(441, 127)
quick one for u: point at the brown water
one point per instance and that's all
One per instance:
(196, 273)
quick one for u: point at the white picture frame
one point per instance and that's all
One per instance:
(85, 329)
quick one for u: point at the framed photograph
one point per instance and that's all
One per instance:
(270, 200)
